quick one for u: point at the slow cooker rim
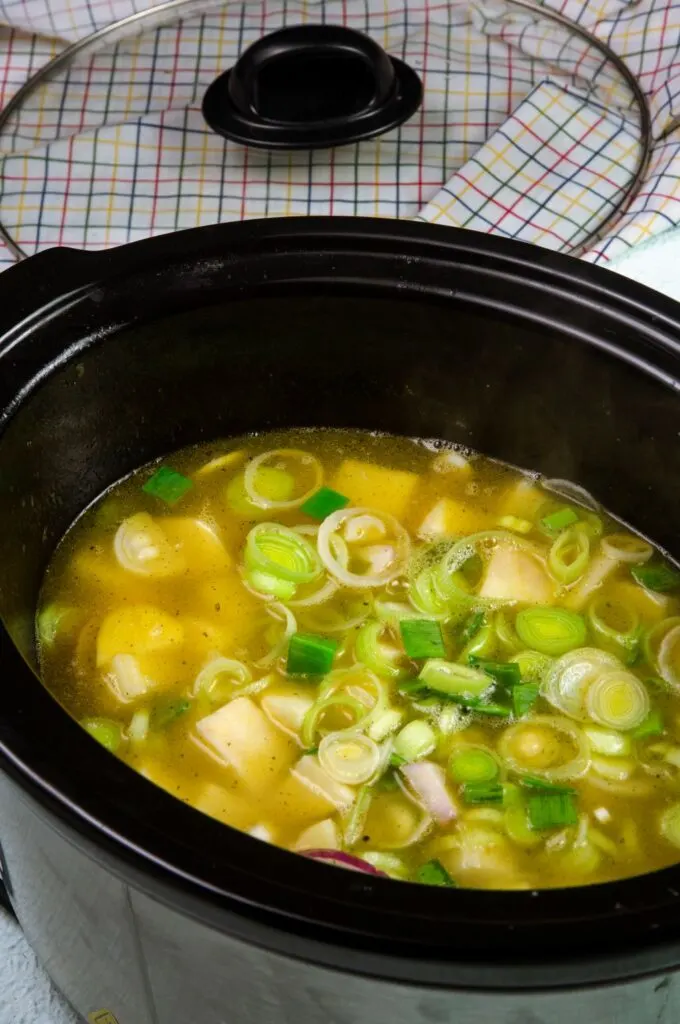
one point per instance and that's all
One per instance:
(536, 908)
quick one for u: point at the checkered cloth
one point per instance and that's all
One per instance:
(524, 130)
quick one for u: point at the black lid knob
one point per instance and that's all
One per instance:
(311, 86)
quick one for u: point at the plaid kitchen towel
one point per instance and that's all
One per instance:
(524, 131)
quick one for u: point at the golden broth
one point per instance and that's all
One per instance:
(535, 766)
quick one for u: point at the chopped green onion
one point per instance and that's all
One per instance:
(608, 742)
(386, 723)
(532, 665)
(168, 485)
(516, 818)
(396, 760)
(51, 620)
(492, 710)
(618, 700)
(342, 701)
(483, 793)
(535, 782)
(416, 740)
(265, 583)
(551, 630)
(434, 873)
(483, 645)
(422, 638)
(652, 726)
(505, 633)
(516, 524)
(659, 578)
(454, 680)
(167, 712)
(372, 652)
(273, 484)
(426, 594)
(559, 520)
(472, 627)
(505, 673)
(387, 862)
(281, 552)
(323, 503)
(523, 698)
(357, 818)
(472, 764)
(551, 810)
(310, 655)
(412, 688)
(104, 731)
(615, 623)
(569, 555)
(670, 824)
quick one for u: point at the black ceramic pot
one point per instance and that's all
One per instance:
(143, 907)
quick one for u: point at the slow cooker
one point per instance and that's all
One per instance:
(143, 910)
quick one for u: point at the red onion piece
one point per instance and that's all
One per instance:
(344, 860)
(426, 779)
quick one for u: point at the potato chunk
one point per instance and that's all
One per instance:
(366, 485)
(241, 735)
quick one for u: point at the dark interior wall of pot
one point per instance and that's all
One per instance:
(534, 397)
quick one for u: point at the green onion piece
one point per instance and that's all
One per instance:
(416, 740)
(551, 630)
(454, 680)
(483, 645)
(607, 741)
(279, 551)
(483, 793)
(412, 688)
(472, 627)
(652, 726)
(380, 657)
(505, 633)
(323, 503)
(473, 764)
(357, 818)
(516, 524)
(523, 699)
(104, 731)
(670, 824)
(615, 623)
(492, 710)
(532, 665)
(559, 520)
(535, 782)
(387, 862)
(310, 655)
(422, 638)
(265, 583)
(51, 620)
(272, 483)
(516, 818)
(434, 873)
(569, 555)
(396, 760)
(551, 810)
(591, 524)
(505, 673)
(343, 701)
(166, 713)
(426, 594)
(168, 485)
(659, 578)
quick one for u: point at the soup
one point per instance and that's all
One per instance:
(385, 653)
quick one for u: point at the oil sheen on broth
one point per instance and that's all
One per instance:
(360, 646)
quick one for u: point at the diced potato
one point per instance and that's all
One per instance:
(309, 772)
(523, 499)
(287, 710)
(126, 679)
(516, 575)
(452, 518)
(228, 806)
(199, 543)
(392, 821)
(484, 858)
(137, 629)
(241, 735)
(377, 487)
(324, 835)
(231, 607)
